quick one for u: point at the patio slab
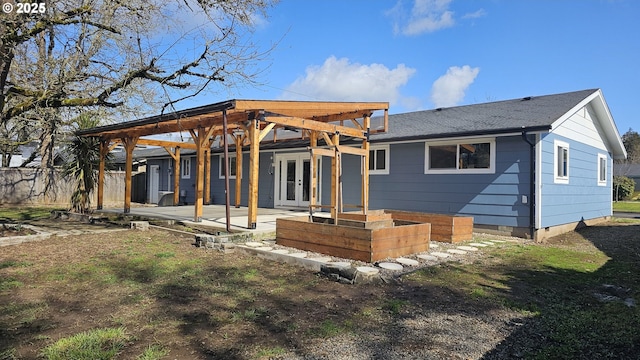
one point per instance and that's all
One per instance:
(215, 216)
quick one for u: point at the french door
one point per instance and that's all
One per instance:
(293, 180)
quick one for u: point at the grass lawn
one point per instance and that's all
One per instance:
(152, 295)
(626, 206)
(25, 213)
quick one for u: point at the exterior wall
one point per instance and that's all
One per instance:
(492, 199)
(165, 180)
(581, 198)
(265, 180)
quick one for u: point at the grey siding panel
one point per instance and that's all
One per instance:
(492, 199)
(265, 181)
(189, 185)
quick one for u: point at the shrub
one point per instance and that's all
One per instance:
(622, 187)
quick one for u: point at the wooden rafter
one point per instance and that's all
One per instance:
(303, 123)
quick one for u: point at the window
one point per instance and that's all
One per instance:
(602, 170)
(232, 167)
(185, 168)
(561, 162)
(379, 160)
(472, 156)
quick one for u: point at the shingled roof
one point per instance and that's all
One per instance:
(535, 113)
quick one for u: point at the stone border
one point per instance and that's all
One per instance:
(15, 240)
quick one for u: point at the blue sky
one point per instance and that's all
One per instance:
(423, 54)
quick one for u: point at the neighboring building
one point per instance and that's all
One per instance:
(24, 152)
(629, 170)
(538, 164)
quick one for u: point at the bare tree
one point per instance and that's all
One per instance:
(125, 57)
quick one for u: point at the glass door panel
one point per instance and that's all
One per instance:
(291, 179)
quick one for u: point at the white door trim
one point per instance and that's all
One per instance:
(280, 180)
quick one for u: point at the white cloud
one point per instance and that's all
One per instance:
(341, 80)
(448, 89)
(425, 16)
(474, 15)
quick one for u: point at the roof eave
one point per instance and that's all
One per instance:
(463, 134)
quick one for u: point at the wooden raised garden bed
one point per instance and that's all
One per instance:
(444, 228)
(376, 237)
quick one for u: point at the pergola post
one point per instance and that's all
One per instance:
(104, 150)
(365, 166)
(201, 139)
(176, 177)
(238, 140)
(207, 176)
(335, 178)
(129, 145)
(254, 167)
(313, 143)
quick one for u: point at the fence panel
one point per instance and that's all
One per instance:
(25, 186)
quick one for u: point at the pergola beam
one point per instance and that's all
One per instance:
(317, 120)
(314, 125)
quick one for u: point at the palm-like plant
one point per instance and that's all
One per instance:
(81, 166)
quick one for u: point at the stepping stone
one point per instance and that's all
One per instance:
(427, 257)
(488, 243)
(390, 266)
(254, 244)
(441, 255)
(264, 248)
(321, 259)
(280, 251)
(499, 241)
(298, 255)
(434, 246)
(408, 262)
(468, 248)
(478, 244)
(456, 251)
(367, 270)
(340, 264)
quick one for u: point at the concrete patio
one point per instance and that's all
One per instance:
(213, 215)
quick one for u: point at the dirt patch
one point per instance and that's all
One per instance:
(7, 230)
(206, 305)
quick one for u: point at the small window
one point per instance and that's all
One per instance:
(561, 162)
(232, 167)
(602, 170)
(476, 156)
(379, 160)
(185, 168)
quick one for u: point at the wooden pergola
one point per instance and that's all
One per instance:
(248, 122)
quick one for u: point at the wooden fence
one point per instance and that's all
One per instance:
(25, 186)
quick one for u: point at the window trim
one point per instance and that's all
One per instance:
(185, 168)
(221, 162)
(384, 171)
(558, 179)
(492, 156)
(606, 168)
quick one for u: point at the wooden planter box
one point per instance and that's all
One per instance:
(356, 240)
(444, 228)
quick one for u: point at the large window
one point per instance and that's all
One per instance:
(379, 159)
(470, 156)
(602, 170)
(561, 162)
(232, 167)
(185, 168)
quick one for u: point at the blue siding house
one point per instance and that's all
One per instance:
(531, 167)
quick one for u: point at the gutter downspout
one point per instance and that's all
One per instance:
(532, 184)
